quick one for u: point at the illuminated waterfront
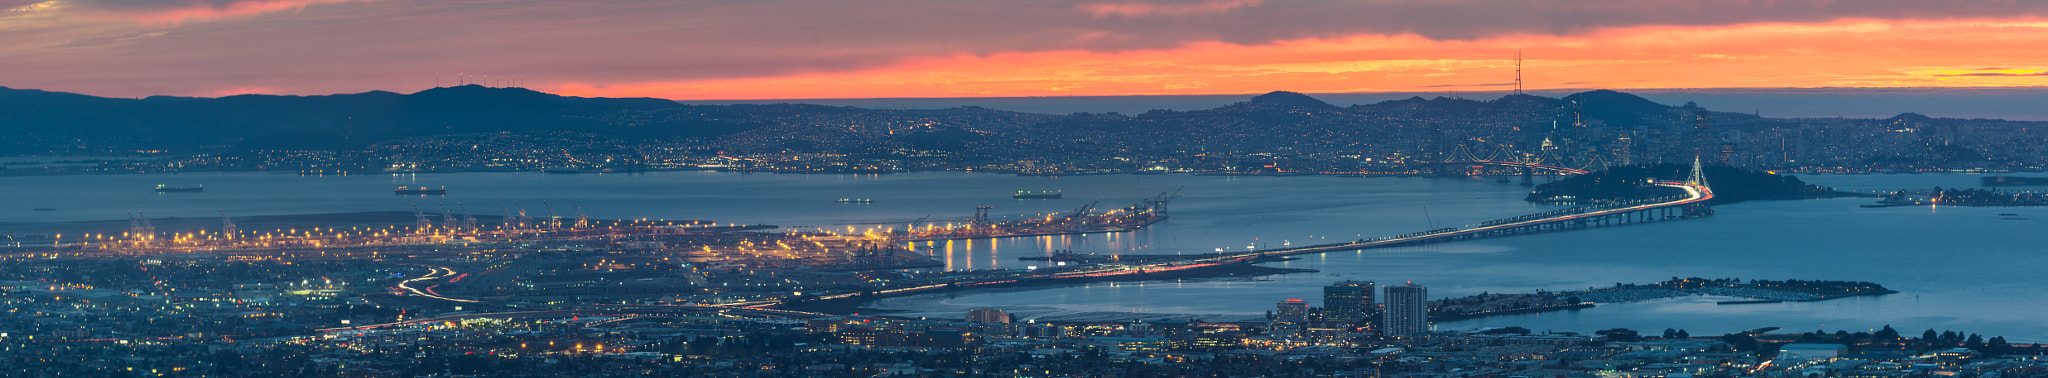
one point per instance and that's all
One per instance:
(1913, 250)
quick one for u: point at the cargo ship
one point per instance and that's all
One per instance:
(854, 200)
(2014, 181)
(176, 189)
(420, 190)
(1052, 194)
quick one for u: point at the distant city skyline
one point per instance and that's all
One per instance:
(793, 49)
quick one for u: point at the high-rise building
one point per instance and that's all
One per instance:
(1702, 141)
(987, 315)
(1407, 313)
(1288, 317)
(1292, 311)
(1348, 301)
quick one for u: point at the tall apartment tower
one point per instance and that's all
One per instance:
(1702, 143)
(1292, 311)
(1288, 318)
(1407, 313)
(1348, 301)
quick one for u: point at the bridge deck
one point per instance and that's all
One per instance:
(1694, 195)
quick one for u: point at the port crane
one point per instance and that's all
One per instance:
(419, 220)
(468, 221)
(448, 218)
(582, 220)
(554, 221)
(508, 221)
(1082, 211)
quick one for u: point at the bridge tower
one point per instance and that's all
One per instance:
(1699, 179)
(1699, 176)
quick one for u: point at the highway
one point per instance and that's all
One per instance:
(595, 310)
(433, 273)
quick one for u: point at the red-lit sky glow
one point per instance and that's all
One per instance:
(765, 49)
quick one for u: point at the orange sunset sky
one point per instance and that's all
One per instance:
(770, 49)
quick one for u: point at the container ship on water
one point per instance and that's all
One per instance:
(420, 190)
(177, 189)
(1042, 194)
(2014, 181)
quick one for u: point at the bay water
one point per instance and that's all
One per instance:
(1957, 268)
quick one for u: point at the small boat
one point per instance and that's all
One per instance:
(854, 200)
(178, 189)
(420, 190)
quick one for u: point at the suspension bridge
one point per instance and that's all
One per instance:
(1463, 161)
(1695, 200)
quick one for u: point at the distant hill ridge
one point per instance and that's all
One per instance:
(1285, 98)
(44, 121)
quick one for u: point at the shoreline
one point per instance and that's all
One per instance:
(43, 172)
(861, 304)
(288, 221)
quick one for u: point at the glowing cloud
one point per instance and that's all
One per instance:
(1853, 53)
(722, 49)
(180, 11)
(1142, 9)
(242, 91)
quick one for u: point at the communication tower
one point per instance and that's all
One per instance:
(1518, 71)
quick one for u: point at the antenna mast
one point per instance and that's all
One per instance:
(1518, 71)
